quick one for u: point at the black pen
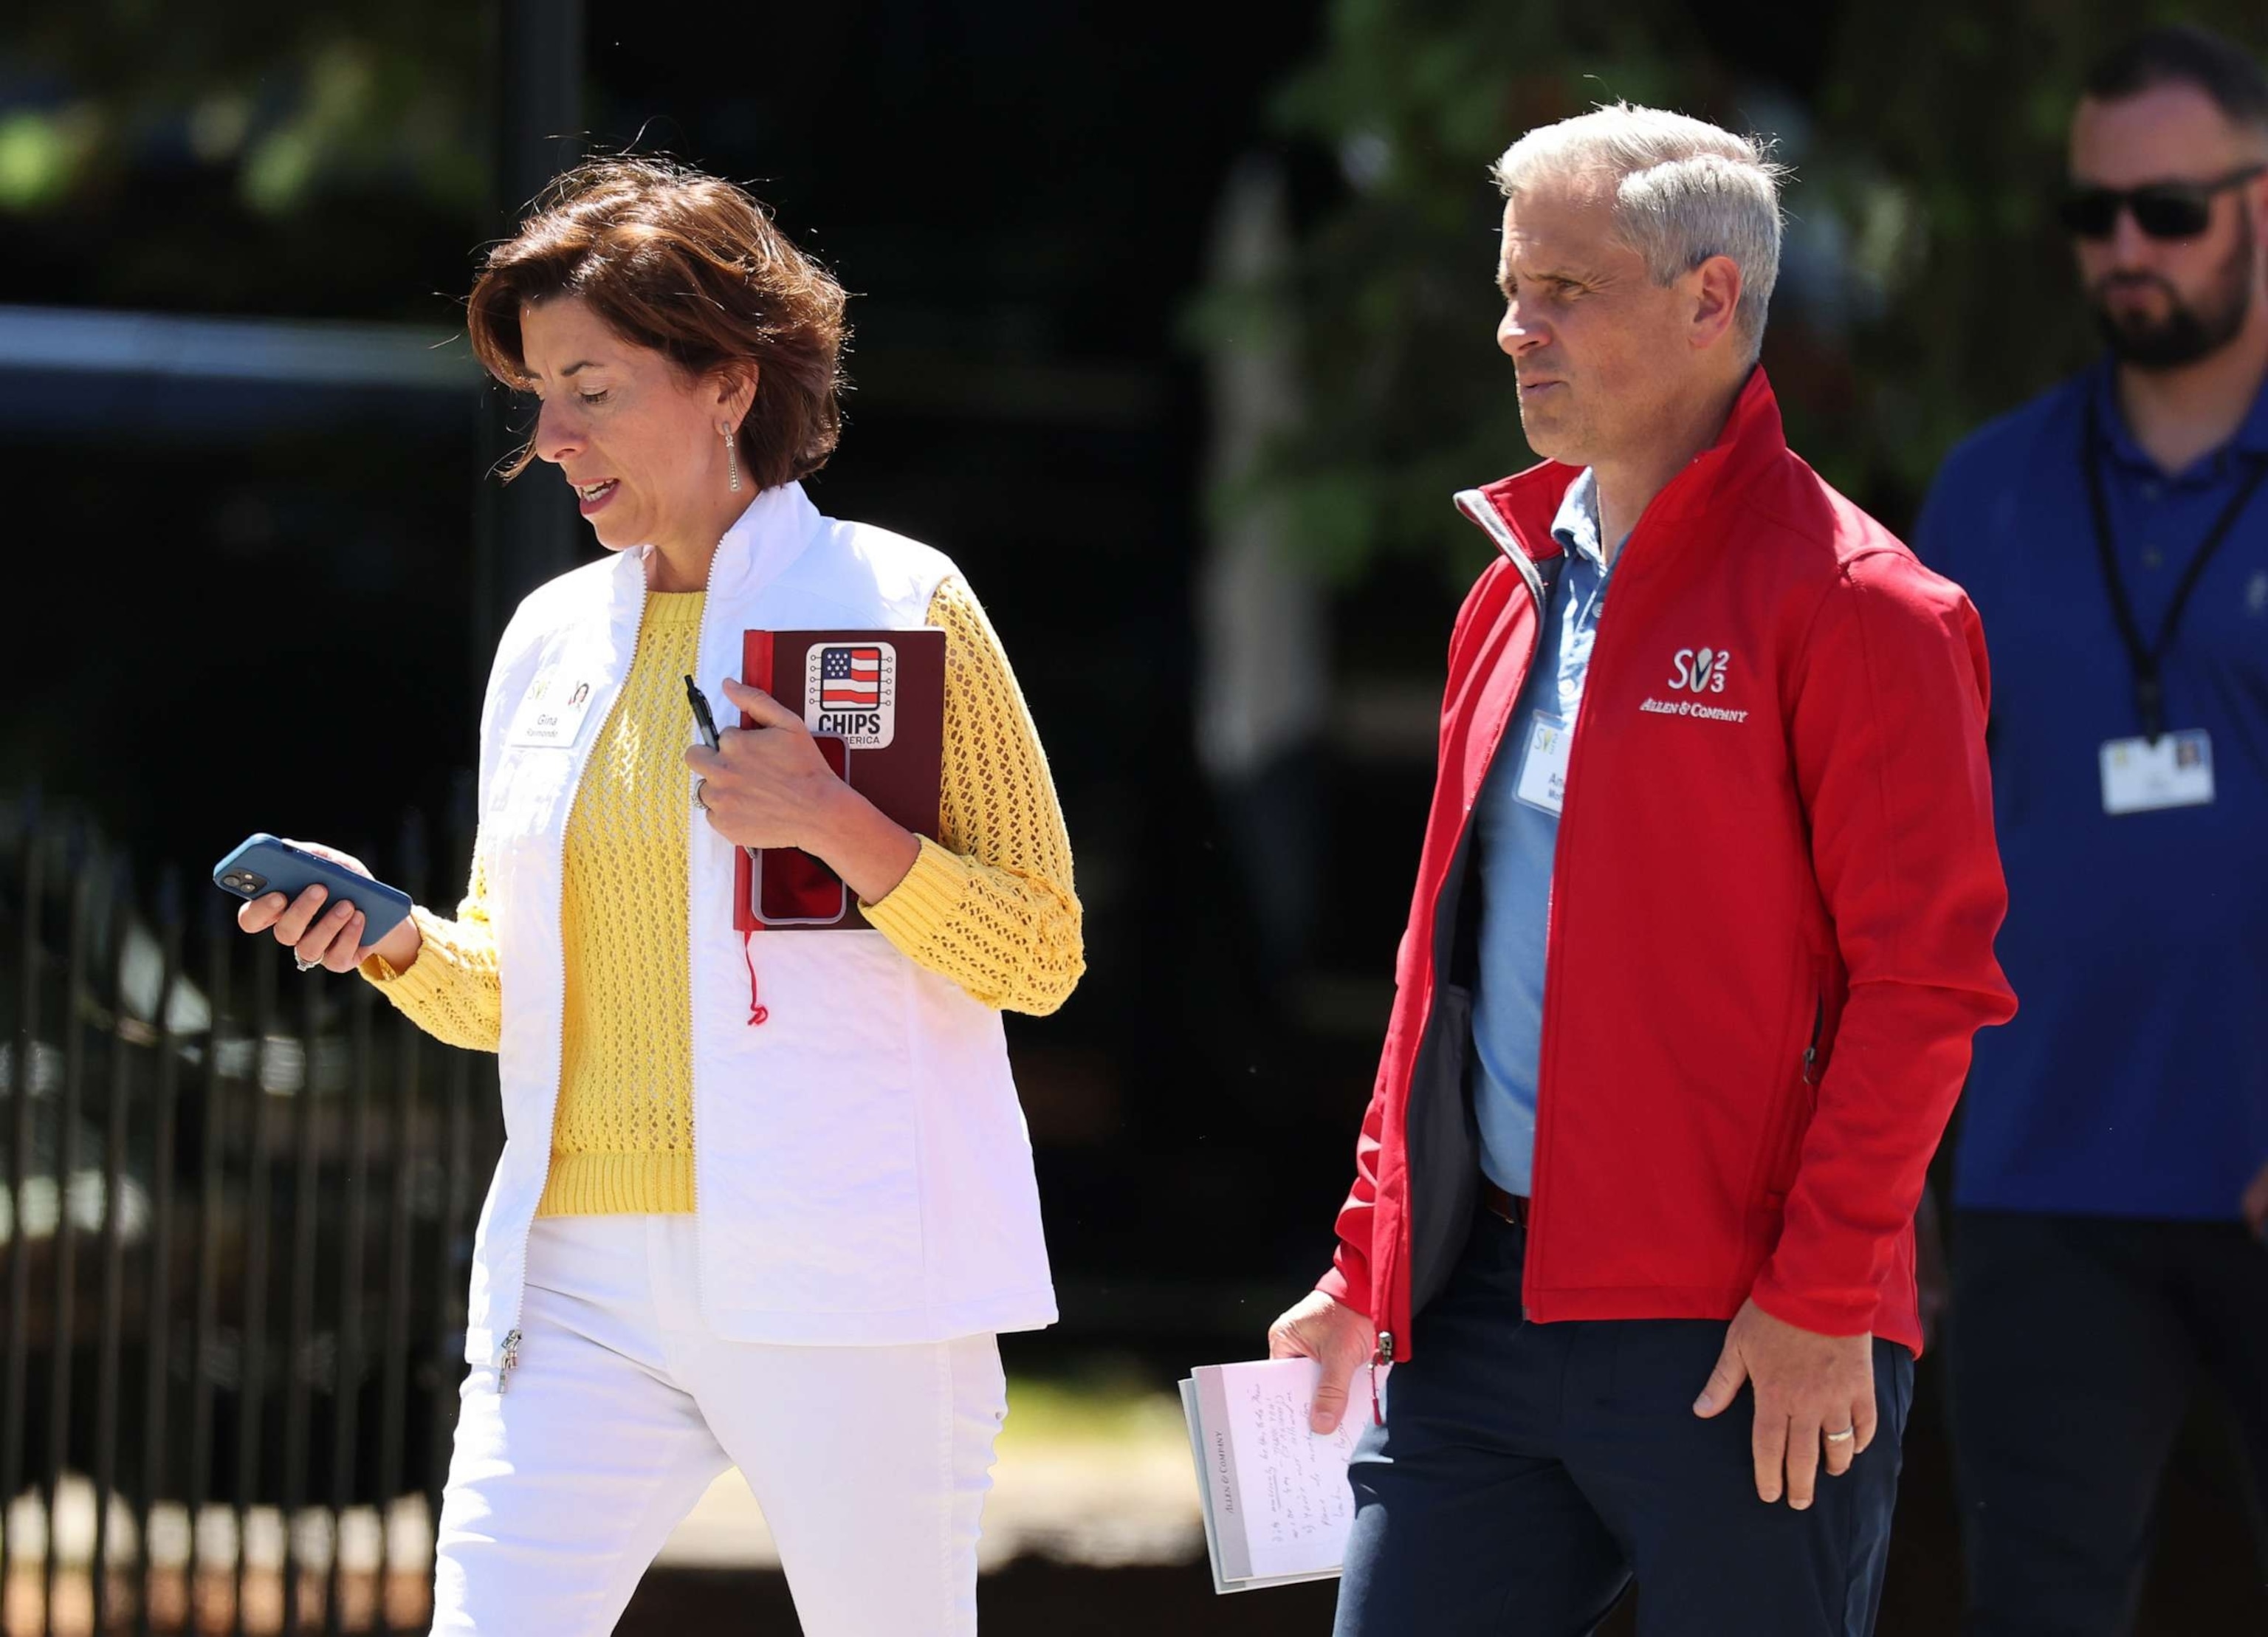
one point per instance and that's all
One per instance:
(705, 724)
(702, 720)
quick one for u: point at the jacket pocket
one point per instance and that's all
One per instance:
(1796, 1099)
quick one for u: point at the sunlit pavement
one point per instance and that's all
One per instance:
(1108, 1491)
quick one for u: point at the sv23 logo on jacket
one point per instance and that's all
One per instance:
(1701, 669)
(1696, 671)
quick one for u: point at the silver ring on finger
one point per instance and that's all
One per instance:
(1843, 1437)
(700, 800)
(304, 966)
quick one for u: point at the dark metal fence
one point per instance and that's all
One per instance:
(237, 1213)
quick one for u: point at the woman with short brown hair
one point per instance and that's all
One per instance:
(695, 270)
(777, 1231)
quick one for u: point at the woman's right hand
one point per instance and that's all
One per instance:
(330, 938)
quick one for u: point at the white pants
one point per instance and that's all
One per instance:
(870, 1463)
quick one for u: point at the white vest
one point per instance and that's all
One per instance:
(861, 1169)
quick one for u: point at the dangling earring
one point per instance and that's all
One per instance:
(732, 460)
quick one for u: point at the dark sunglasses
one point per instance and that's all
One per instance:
(2161, 210)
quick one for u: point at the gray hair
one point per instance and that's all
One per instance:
(1683, 190)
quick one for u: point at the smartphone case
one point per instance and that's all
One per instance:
(793, 889)
(262, 864)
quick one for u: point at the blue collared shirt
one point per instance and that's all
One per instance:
(1516, 841)
(2134, 1080)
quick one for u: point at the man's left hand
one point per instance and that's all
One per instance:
(1808, 1387)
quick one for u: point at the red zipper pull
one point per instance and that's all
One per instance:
(757, 1012)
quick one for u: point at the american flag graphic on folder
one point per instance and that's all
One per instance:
(849, 678)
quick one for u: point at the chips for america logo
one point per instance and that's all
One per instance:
(850, 690)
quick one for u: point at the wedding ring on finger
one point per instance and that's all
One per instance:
(1843, 1437)
(304, 966)
(699, 800)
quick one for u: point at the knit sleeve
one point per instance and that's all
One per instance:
(990, 904)
(451, 989)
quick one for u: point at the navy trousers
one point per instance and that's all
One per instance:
(2060, 1449)
(1528, 1473)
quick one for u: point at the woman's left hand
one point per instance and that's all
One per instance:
(766, 785)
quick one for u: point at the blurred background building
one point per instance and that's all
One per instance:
(1173, 327)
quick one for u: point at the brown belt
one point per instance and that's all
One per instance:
(1512, 1208)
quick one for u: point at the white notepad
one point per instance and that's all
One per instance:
(1277, 1504)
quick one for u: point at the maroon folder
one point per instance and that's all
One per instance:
(874, 702)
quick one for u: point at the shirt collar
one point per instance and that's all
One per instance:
(2111, 434)
(1576, 525)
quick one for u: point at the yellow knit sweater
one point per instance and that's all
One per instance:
(990, 906)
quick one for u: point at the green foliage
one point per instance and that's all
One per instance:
(1963, 112)
(1932, 153)
(294, 99)
(1393, 292)
(243, 155)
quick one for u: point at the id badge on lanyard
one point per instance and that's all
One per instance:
(2146, 775)
(2158, 769)
(1543, 763)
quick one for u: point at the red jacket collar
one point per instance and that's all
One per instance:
(1517, 511)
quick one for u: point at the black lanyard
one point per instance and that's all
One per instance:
(2148, 659)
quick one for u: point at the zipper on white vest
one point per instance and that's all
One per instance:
(506, 1357)
(692, 908)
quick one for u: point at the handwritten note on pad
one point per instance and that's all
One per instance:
(1277, 1504)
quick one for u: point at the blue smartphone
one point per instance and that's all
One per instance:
(264, 864)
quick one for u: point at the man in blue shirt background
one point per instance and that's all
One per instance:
(2111, 1180)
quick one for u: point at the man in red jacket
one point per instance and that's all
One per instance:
(1703, 929)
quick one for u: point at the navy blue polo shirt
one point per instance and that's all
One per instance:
(2134, 1081)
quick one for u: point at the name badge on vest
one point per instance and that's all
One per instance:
(552, 711)
(1544, 764)
(2141, 777)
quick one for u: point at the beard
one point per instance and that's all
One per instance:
(2188, 330)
